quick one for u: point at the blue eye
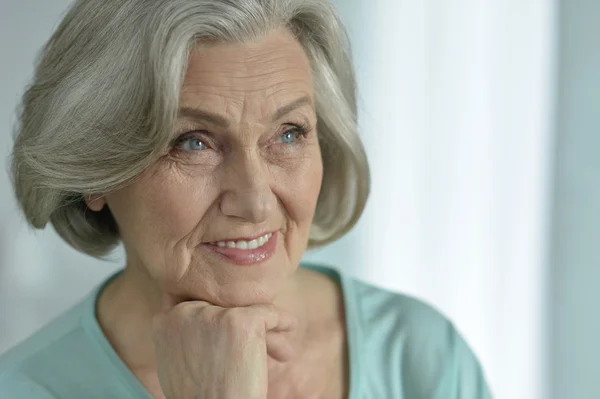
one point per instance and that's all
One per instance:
(192, 144)
(290, 136)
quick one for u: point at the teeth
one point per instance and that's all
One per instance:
(253, 244)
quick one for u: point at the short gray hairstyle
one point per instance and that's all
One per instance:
(104, 99)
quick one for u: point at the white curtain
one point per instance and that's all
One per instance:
(456, 115)
(455, 100)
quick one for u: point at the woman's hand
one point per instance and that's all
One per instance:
(208, 352)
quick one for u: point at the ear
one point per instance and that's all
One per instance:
(95, 202)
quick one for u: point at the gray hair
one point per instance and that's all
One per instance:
(105, 94)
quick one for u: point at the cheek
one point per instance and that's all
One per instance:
(162, 209)
(299, 188)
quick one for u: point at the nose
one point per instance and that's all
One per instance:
(246, 188)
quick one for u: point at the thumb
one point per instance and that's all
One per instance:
(169, 301)
(279, 347)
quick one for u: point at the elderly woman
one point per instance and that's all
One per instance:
(217, 140)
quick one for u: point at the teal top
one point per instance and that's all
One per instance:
(399, 348)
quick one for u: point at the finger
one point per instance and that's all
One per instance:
(279, 347)
(168, 301)
(275, 319)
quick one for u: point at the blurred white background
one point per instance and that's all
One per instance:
(482, 204)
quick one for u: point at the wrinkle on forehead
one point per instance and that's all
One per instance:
(247, 81)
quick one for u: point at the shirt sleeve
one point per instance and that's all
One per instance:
(441, 365)
(462, 376)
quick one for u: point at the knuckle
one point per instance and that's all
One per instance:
(234, 317)
(264, 311)
(242, 323)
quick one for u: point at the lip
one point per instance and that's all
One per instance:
(245, 257)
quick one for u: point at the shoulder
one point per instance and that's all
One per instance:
(380, 309)
(50, 359)
(383, 311)
(429, 356)
(407, 345)
(48, 339)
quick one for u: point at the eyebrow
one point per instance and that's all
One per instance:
(286, 109)
(221, 121)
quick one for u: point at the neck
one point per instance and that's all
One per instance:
(127, 305)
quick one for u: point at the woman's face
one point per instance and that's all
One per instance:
(244, 170)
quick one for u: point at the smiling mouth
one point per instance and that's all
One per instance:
(243, 244)
(245, 252)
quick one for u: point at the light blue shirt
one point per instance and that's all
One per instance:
(399, 348)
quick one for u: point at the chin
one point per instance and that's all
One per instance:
(228, 286)
(247, 293)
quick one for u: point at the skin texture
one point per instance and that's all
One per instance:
(246, 183)
(242, 176)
